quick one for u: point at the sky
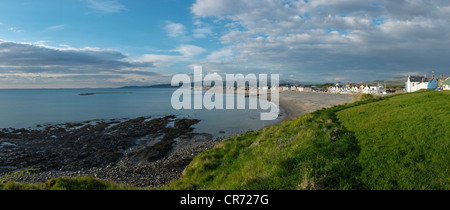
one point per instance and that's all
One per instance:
(114, 43)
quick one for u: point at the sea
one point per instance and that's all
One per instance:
(34, 108)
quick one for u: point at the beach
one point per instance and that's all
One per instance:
(296, 104)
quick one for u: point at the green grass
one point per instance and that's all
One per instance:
(395, 142)
(82, 183)
(405, 141)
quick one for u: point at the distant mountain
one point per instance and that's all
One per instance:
(151, 86)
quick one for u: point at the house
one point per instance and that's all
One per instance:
(415, 83)
(284, 88)
(336, 89)
(307, 89)
(366, 89)
(445, 84)
(379, 89)
(361, 89)
(373, 89)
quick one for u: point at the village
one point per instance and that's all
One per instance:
(413, 84)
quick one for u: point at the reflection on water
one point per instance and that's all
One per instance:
(30, 108)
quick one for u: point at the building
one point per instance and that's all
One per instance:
(415, 83)
(445, 84)
(366, 89)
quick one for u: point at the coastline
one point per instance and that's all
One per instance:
(143, 152)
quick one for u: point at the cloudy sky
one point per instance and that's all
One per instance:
(113, 43)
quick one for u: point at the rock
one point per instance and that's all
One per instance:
(99, 150)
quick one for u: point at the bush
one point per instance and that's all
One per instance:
(363, 97)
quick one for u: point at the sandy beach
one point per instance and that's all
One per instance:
(296, 104)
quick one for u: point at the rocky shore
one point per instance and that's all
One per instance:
(143, 152)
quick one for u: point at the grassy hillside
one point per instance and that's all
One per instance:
(397, 142)
(405, 141)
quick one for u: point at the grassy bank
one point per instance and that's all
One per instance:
(81, 183)
(394, 142)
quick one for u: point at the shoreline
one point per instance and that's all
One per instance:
(142, 152)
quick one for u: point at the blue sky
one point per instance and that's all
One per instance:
(133, 27)
(113, 43)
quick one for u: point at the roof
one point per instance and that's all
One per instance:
(446, 82)
(418, 79)
(443, 78)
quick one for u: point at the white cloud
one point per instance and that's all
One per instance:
(159, 60)
(319, 38)
(35, 65)
(15, 30)
(200, 33)
(55, 28)
(190, 50)
(222, 54)
(106, 6)
(187, 53)
(175, 29)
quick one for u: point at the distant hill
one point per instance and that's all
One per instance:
(152, 86)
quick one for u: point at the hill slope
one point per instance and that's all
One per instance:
(396, 142)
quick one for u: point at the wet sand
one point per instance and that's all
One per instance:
(296, 104)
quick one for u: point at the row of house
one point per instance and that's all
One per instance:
(300, 88)
(338, 88)
(357, 88)
(415, 83)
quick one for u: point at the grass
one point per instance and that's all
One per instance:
(404, 141)
(377, 143)
(64, 183)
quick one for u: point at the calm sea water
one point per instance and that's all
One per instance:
(29, 108)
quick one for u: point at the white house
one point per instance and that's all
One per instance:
(366, 89)
(373, 89)
(415, 83)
